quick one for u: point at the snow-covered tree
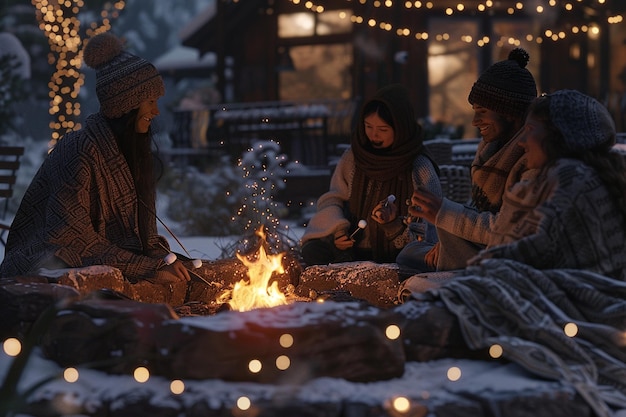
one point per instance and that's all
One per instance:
(230, 200)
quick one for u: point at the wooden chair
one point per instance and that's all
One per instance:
(456, 183)
(10, 159)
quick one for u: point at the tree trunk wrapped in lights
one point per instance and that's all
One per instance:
(60, 23)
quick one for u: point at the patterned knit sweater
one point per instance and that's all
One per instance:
(563, 217)
(80, 210)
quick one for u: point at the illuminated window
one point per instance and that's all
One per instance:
(296, 24)
(304, 24)
(320, 71)
(334, 22)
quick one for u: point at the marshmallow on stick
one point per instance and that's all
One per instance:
(361, 225)
(390, 199)
(170, 258)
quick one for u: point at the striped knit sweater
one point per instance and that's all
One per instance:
(80, 210)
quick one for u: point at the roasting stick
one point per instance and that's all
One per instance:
(171, 257)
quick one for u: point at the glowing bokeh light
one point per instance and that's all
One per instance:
(401, 404)
(255, 366)
(286, 340)
(283, 362)
(454, 373)
(570, 329)
(70, 375)
(12, 346)
(392, 332)
(177, 387)
(244, 403)
(495, 351)
(141, 374)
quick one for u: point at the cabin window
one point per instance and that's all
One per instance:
(332, 22)
(320, 72)
(453, 64)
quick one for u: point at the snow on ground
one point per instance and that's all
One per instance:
(421, 382)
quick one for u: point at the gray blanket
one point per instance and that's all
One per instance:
(525, 311)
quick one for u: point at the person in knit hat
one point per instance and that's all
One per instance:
(386, 158)
(499, 98)
(556, 256)
(569, 210)
(92, 202)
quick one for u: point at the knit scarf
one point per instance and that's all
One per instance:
(492, 165)
(379, 173)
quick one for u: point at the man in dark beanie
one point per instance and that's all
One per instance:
(499, 98)
(92, 202)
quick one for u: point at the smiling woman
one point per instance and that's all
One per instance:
(93, 200)
(148, 110)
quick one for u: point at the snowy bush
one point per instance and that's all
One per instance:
(228, 200)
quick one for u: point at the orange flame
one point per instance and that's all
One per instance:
(257, 293)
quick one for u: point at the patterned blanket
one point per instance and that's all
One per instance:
(525, 311)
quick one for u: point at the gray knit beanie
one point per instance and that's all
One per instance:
(582, 120)
(506, 87)
(123, 80)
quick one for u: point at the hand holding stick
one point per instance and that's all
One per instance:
(385, 211)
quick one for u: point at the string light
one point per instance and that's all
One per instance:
(463, 9)
(61, 26)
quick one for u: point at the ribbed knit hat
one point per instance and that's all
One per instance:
(506, 87)
(582, 120)
(123, 80)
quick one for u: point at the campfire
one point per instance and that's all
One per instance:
(257, 291)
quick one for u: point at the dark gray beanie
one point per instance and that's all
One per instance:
(582, 120)
(506, 87)
(123, 80)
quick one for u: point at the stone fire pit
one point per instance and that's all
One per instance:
(357, 353)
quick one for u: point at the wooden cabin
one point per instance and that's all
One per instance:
(334, 53)
(277, 59)
(270, 50)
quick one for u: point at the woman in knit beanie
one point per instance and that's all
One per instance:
(92, 202)
(571, 212)
(499, 98)
(386, 157)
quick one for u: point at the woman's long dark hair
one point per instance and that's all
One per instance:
(610, 165)
(137, 150)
